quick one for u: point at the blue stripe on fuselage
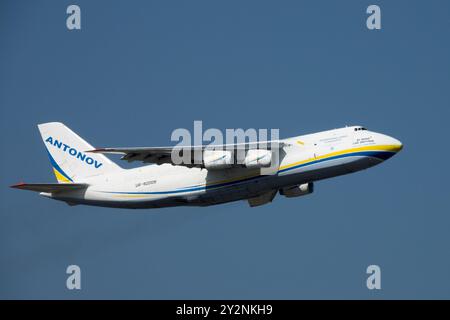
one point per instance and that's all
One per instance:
(382, 155)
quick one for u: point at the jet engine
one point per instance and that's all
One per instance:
(298, 190)
(217, 159)
(258, 158)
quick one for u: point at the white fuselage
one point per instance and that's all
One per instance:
(305, 159)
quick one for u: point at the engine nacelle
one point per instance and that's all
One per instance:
(258, 158)
(298, 190)
(217, 159)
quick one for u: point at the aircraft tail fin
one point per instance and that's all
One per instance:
(67, 153)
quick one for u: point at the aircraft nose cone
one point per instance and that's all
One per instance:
(389, 145)
(397, 144)
(394, 144)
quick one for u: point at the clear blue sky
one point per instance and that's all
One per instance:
(139, 69)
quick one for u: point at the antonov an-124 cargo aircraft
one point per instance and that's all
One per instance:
(86, 176)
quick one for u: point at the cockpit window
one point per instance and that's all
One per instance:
(360, 128)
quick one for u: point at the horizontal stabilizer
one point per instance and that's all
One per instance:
(50, 187)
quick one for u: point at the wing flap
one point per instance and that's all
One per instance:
(50, 187)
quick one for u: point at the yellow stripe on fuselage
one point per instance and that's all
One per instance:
(132, 195)
(388, 148)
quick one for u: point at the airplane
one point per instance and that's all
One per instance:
(86, 176)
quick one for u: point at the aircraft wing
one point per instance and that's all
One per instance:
(50, 187)
(161, 155)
